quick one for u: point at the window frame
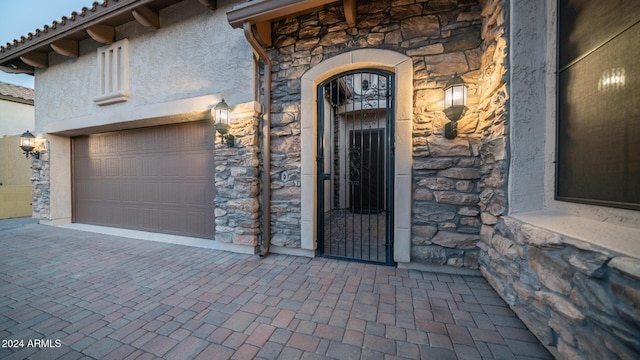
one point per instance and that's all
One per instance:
(558, 69)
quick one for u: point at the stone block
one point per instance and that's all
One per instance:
(486, 233)
(494, 150)
(626, 349)
(551, 271)
(422, 194)
(437, 183)
(468, 124)
(470, 221)
(434, 212)
(429, 254)
(424, 231)
(447, 64)
(440, 146)
(427, 50)
(447, 226)
(335, 38)
(626, 292)
(245, 239)
(285, 240)
(592, 345)
(488, 219)
(464, 185)
(468, 211)
(224, 237)
(455, 198)
(218, 212)
(288, 193)
(505, 247)
(460, 173)
(564, 329)
(471, 259)
(626, 266)
(562, 306)
(588, 262)
(540, 238)
(247, 205)
(568, 351)
(496, 178)
(527, 295)
(513, 227)
(455, 241)
(497, 206)
(433, 164)
(420, 26)
(430, 99)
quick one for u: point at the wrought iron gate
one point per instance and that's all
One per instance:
(355, 166)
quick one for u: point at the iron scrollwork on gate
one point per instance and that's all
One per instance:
(355, 142)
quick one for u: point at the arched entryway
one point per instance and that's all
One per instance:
(389, 62)
(355, 166)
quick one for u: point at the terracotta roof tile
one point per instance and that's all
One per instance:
(16, 91)
(63, 21)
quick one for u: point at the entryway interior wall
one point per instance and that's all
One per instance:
(402, 66)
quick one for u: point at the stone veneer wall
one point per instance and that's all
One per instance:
(41, 181)
(442, 38)
(582, 301)
(237, 189)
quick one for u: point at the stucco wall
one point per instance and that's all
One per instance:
(194, 53)
(15, 169)
(15, 118)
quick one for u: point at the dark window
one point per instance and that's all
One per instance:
(598, 157)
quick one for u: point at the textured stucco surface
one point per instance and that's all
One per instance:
(527, 104)
(15, 118)
(194, 53)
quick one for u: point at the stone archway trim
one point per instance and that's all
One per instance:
(402, 66)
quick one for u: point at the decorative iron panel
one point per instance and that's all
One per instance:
(355, 167)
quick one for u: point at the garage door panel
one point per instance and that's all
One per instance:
(154, 179)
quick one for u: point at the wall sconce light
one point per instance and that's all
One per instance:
(28, 143)
(222, 111)
(455, 102)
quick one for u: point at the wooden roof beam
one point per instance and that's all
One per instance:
(350, 12)
(263, 33)
(102, 33)
(147, 17)
(36, 59)
(66, 47)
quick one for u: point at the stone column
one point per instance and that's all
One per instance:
(40, 179)
(237, 188)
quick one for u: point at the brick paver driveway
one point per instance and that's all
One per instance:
(70, 294)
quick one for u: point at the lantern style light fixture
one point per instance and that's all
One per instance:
(28, 143)
(455, 102)
(222, 111)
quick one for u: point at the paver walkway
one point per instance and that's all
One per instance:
(85, 295)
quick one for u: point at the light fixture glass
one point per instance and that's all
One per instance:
(222, 111)
(28, 143)
(455, 102)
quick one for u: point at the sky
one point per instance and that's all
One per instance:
(19, 17)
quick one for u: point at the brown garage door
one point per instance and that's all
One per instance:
(158, 179)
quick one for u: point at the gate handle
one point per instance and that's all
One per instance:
(326, 177)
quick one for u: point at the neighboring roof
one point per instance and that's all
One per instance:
(16, 93)
(98, 22)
